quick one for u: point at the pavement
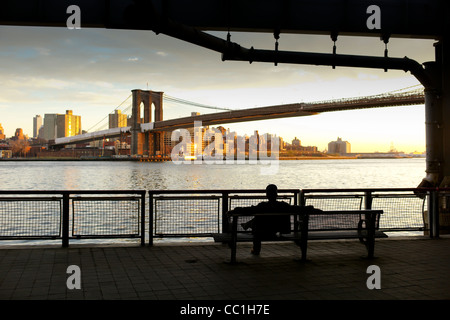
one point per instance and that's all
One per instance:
(414, 268)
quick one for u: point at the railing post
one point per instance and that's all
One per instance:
(225, 224)
(150, 219)
(302, 199)
(436, 215)
(430, 205)
(433, 213)
(65, 220)
(368, 200)
(143, 219)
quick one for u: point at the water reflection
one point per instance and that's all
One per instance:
(124, 175)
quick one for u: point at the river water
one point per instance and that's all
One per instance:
(128, 175)
(132, 175)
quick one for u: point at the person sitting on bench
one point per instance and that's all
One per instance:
(267, 226)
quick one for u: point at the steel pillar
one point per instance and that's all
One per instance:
(433, 132)
(444, 56)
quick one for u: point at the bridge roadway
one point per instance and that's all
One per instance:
(256, 114)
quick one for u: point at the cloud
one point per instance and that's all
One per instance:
(93, 70)
(43, 51)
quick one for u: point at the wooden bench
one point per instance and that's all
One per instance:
(315, 225)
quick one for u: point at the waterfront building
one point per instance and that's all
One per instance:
(296, 143)
(339, 147)
(61, 125)
(68, 125)
(49, 132)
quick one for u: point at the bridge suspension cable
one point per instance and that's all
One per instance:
(104, 126)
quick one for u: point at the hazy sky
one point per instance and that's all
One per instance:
(91, 71)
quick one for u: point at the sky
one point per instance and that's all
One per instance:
(92, 71)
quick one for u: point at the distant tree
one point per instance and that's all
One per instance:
(19, 147)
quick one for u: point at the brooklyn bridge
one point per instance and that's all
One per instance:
(147, 128)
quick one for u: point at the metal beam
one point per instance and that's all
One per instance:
(399, 18)
(233, 51)
(324, 59)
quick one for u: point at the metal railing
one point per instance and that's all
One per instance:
(94, 214)
(69, 215)
(403, 209)
(199, 213)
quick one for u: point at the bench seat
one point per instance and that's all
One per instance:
(312, 235)
(341, 234)
(248, 237)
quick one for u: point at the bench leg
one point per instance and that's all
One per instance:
(304, 239)
(233, 252)
(369, 240)
(303, 244)
(371, 237)
(370, 247)
(304, 249)
(233, 241)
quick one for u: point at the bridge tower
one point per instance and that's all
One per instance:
(146, 143)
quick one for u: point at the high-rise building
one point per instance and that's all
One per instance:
(37, 124)
(50, 126)
(68, 125)
(117, 120)
(61, 125)
(339, 147)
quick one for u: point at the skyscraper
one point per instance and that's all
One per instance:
(37, 123)
(68, 125)
(61, 125)
(50, 126)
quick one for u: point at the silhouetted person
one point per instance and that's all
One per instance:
(267, 226)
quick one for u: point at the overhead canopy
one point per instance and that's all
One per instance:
(399, 18)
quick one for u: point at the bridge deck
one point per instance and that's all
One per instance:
(257, 114)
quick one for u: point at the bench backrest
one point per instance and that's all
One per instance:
(325, 220)
(339, 220)
(284, 223)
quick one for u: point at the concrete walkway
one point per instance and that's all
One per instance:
(410, 269)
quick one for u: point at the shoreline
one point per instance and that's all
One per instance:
(156, 160)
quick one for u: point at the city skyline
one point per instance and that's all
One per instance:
(45, 70)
